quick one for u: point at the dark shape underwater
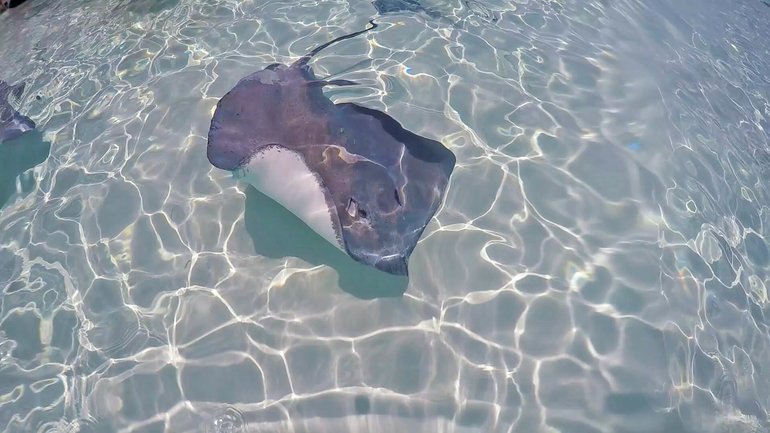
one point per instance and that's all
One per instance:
(353, 174)
(473, 9)
(396, 6)
(12, 124)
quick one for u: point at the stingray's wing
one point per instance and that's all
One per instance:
(7, 89)
(421, 148)
(14, 125)
(18, 89)
(243, 121)
(385, 7)
(400, 191)
(388, 6)
(274, 105)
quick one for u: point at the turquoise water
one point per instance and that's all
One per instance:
(599, 264)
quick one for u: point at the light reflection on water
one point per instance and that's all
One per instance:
(599, 264)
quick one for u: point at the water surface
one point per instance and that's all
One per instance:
(599, 264)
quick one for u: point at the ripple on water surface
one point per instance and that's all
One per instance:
(599, 263)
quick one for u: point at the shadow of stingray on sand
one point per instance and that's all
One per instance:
(278, 233)
(16, 157)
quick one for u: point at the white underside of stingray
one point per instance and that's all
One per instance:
(282, 175)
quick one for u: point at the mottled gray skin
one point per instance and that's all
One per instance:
(384, 182)
(12, 124)
(394, 6)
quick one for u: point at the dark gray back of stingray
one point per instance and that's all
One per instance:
(473, 8)
(6, 90)
(12, 123)
(393, 6)
(384, 181)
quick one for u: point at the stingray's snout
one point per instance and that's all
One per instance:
(395, 264)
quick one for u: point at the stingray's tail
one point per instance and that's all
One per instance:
(315, 51)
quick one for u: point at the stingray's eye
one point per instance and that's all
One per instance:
(398, 197)
(353, 209)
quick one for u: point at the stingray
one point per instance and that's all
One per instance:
(352, 174)
(388, 7)
(395, 6)
(12, 124)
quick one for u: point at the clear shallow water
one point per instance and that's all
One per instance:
(599, 265)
